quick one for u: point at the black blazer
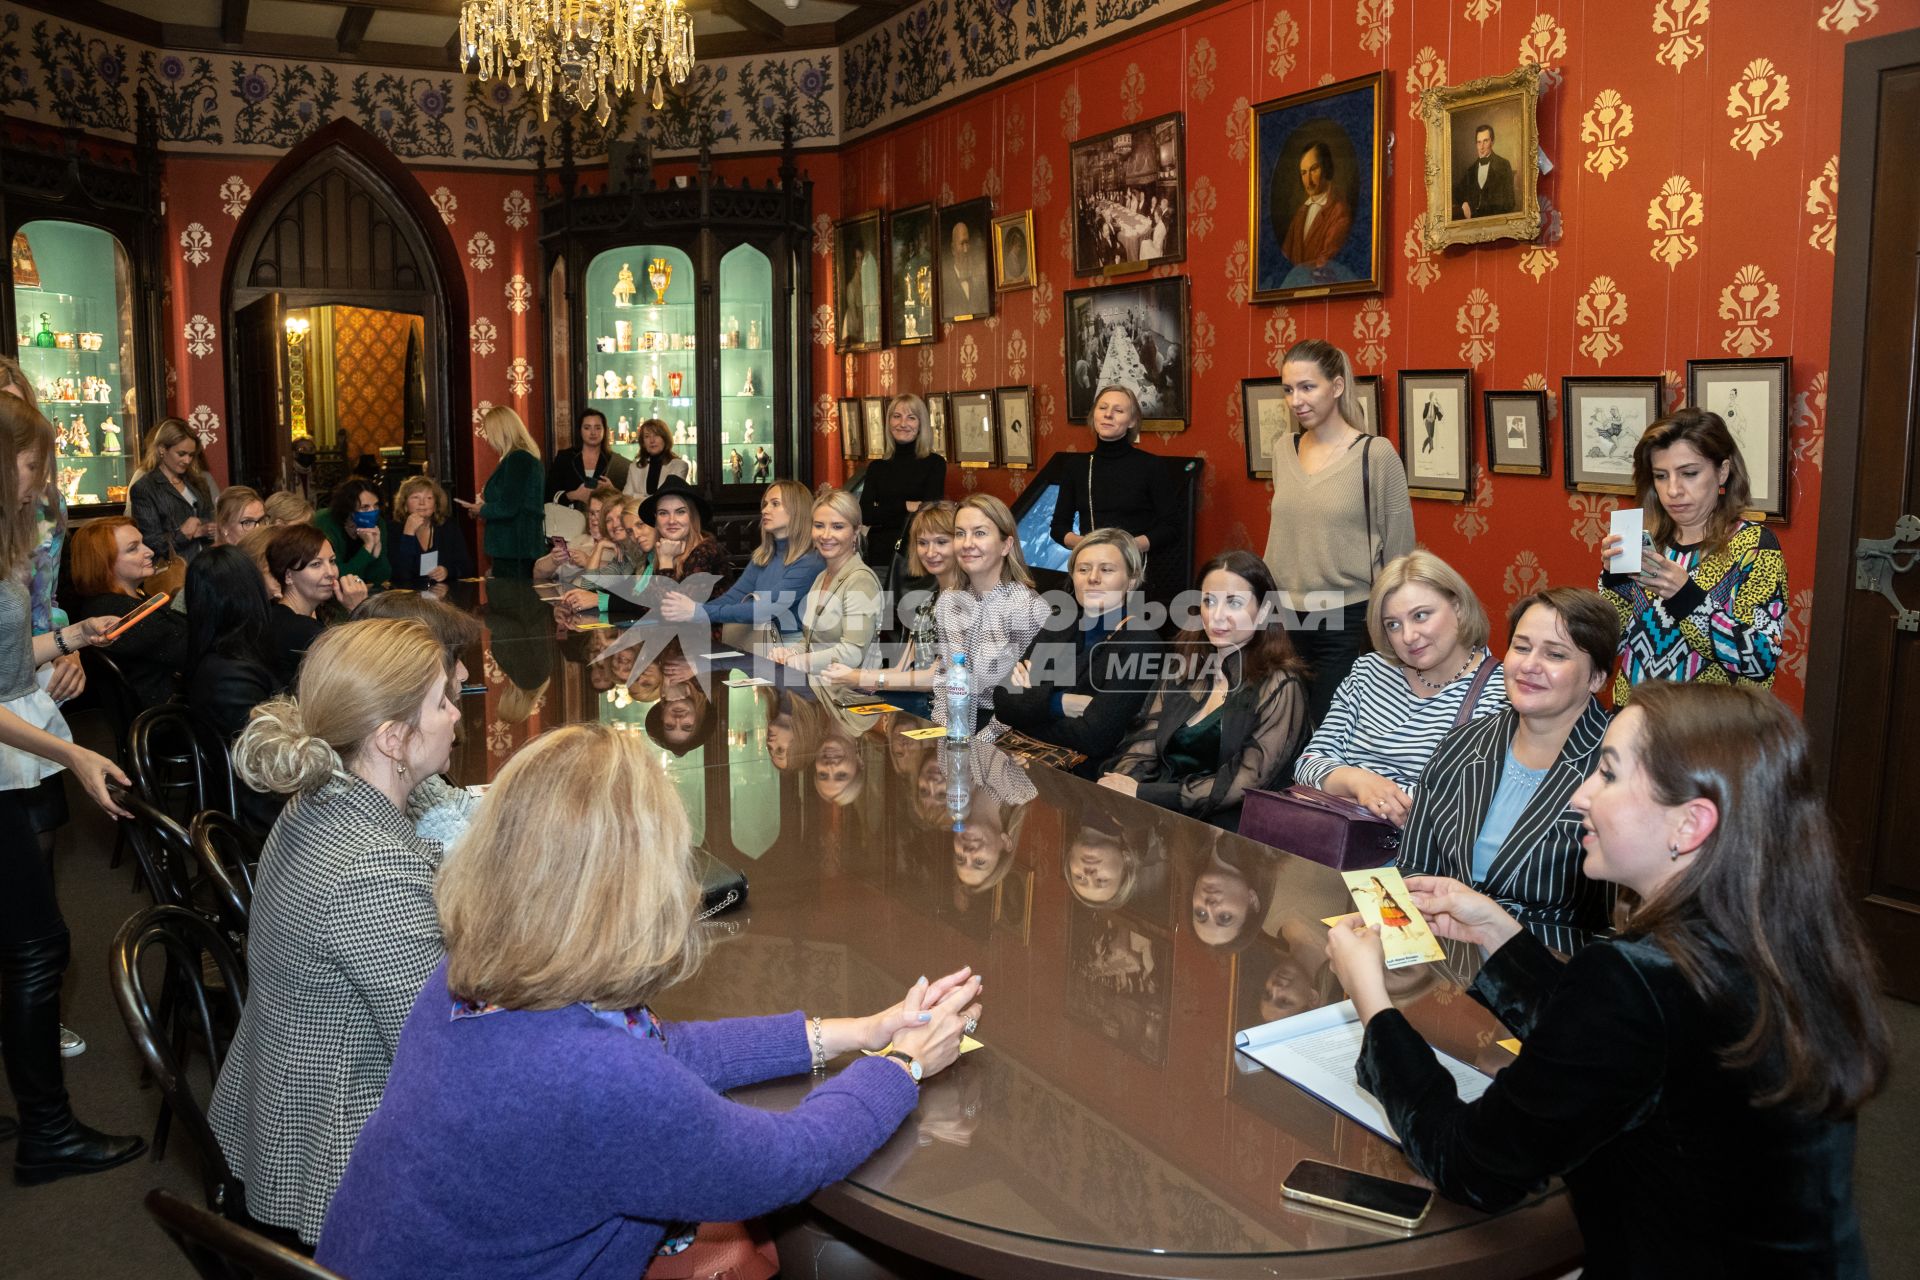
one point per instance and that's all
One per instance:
(152, 654)
(1619, 1090)
(1117, 674)
(158, 511)
(1498, 196)
(1536, 873)
(566, 473)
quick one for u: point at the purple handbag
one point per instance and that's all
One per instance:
(1331, 830)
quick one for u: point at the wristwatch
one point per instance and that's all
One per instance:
(912, 1063)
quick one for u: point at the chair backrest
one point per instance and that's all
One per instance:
(115, 695)
(191, 1012)
(223, 1250)
(227, 853)
(165, 850)
(176, 765)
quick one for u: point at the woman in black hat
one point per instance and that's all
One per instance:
(680, 514)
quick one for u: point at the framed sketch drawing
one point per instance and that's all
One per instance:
(1366, 394)
(873, 412)
(1133, 336)
(1013, 409)
(1516, 432)
(913, 306)
(1436, 436)
(966, 271)
(853, 431)
(1751, 398)
(937, 417)
(1129, 197)
(858, 304)
(973, 428)
(1267, 421)
(1602, 419)
(1317, 163)
(1013, 251)
(1483, 159)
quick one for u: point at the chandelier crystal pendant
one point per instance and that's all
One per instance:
(588, 51)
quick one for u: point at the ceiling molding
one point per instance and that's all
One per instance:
(353, 28)
(233, 21)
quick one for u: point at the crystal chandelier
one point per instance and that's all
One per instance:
(586, 50)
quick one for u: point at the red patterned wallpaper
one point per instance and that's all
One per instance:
(1741, 104)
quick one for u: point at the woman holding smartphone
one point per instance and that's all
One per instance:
(1694, 1081)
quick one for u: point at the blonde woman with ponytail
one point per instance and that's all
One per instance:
(343, 927)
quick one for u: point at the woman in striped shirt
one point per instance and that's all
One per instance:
(1424, 678)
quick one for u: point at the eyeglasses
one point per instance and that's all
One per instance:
(254, 523)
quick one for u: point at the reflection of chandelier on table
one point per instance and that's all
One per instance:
(585, 50)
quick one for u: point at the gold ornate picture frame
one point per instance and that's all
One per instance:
(1483, 188)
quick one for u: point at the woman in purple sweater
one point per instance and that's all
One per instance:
(540, 1121)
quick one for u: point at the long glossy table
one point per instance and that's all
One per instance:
(1108, 1127)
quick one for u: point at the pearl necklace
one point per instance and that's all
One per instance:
(1464, 668)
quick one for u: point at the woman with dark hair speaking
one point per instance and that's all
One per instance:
(1695, 1080)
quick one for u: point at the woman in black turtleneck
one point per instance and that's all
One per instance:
(896, 486)
(1122, 486)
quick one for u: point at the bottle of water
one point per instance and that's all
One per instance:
(959, 700)
(959, 786)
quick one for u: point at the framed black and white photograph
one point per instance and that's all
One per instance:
(973, 428)
(1268, 422)
(1013, 251)
(1129, 197)
(966, 260)
(873, 412)
(1120, 980)
(1516, 432)
(1751, 397)
(913, 266)
(1318, 158)
(1436, 436)
(1483, 159)
(853, 431)
(1601, 420)
(937, 419)
(1013, 409)
(859, 301)
(1366, 394)
(1132, 336)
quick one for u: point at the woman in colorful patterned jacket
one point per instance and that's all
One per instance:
(1710, 600)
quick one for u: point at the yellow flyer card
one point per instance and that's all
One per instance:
(1386, 903)
(872, 708)
(931, 731)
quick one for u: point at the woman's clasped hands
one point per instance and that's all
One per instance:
(927, 1025)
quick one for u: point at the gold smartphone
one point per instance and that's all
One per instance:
(1380, 1199)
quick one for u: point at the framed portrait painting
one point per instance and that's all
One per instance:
(853, 431)
(1366, 394)
(859, 306)
(1013, 251)
(1516, 432)
(966, 268)
(873, 412)
(1013, 408)
(913, 287)
(1129, 197)
(1133, 336)
(1436, 437)
(973, 428)
(1601, 420)
(1751, 398)
(1318, 159)
(1483, 159)
(1267, 423)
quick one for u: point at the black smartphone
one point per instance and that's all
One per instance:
(1350, 1191)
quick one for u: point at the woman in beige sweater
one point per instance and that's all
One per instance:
(841, 618)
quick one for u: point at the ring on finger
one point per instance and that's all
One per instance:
(972, 1025)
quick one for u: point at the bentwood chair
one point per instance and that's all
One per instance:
(176, 766)
(163, 848)
(223, 1250)
(226, 853)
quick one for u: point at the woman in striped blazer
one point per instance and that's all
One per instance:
(1491, 808)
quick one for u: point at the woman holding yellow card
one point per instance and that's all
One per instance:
(1694, 1081)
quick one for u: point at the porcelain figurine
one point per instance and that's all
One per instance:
(624, 288)
(762, 466)
(746, 388)
(753, 335)
(109, 437)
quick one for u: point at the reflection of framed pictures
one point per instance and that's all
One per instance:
(973, 428)
(1317, 163)
(1483, 159)
(1268, 421)
(1120, 980)
(1013, 251)
(1436, 437)
(853, 431)
(1129, 197)
(1751, 398)
(1013, 408)
(966, 274)
(1133, 336)
(937, 416)
(1516, 432)
(858, 306)
(1366, 393)
(873, 412)
(1601, 420)
(912, 276)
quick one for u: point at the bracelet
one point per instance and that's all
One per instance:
(819, 1048)
(60, 640)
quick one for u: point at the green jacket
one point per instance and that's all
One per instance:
(374, 570)
(514, 508)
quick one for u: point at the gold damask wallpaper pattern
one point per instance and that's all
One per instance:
(369, 378)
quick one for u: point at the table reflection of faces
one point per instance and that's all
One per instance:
(646, 686)
(679, 721)
(780, 740)
(1289, 988)
(930, 789)
(836, 770)
(1096, 868)
(1223, 903)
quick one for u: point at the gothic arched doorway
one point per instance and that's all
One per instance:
(339, 230)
